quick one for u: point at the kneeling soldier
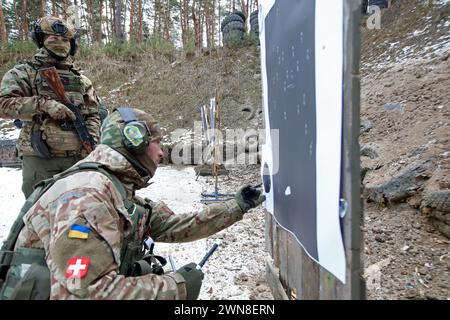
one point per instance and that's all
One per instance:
(84, 236)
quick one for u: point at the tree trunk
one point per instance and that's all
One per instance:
(201, 18)
(213, 26)
(42, 9)
(131, 21)
(141, 17)
(124, 24)
(92, 22)
(155, 16)
(244, 7)
(219, 17)
(184, 21)
(18, 20)
(54, 12)
(65, 8)
(167, 20)
(107, 13)
(113, 18)
(197, 19)
(100, 21)
(117, 19)
(3, 34)
(207, 22)
(74, 14)
(25, 19)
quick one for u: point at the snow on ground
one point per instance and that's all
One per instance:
(416, 47)
(11, 198)
(179, 189)
(235, 270)
(8, 131)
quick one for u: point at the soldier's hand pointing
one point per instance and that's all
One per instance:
(249, 197)
(56, 110)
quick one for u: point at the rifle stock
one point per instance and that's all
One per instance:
(54, 82)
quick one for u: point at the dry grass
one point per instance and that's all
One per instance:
(174, 89)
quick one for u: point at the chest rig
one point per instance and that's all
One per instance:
(60, 136)
(136, 255)
(72, 86)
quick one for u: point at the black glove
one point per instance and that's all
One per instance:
(249, 197)
(193, 277)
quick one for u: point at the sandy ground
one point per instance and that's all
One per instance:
(235, 271)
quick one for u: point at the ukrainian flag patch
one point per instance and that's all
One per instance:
(79, 232)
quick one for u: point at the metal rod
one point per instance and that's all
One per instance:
(172, 263)
(208, 254)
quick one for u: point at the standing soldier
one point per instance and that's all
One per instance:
(47, 122)
(83, 238)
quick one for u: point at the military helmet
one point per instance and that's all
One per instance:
(129, 131)
(54, 26)
(129, 128)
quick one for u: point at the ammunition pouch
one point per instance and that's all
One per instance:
(60, 136)
(27, 278)
(134, 262)
(38, 143)
(130, 252)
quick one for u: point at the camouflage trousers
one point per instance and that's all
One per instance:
(36, 169)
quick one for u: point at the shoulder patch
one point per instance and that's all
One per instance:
(77, 267)
(83, 260)
(78, 231)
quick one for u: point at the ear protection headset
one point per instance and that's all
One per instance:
(135, 134)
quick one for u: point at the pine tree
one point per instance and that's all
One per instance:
(3, 34)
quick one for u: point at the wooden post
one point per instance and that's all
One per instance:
(353, 238)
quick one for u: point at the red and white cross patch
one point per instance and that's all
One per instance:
(77, 267)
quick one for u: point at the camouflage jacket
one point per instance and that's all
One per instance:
(91, 202)
(22, 91)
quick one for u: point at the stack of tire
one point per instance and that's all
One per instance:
(254, 25)
(233, 28)
(382, 4)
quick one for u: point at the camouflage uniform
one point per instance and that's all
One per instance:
(90, 199)
(22, 93)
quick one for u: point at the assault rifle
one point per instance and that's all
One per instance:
(54, 82)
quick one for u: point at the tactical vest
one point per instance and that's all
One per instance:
(24, 274)
(60, 136)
